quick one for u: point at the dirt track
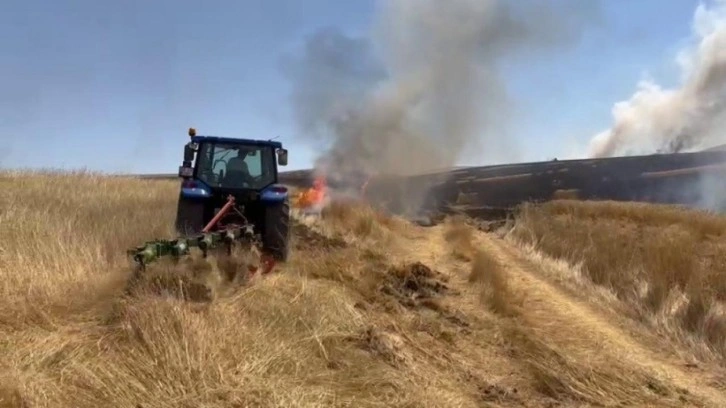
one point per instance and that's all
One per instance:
(574, 327)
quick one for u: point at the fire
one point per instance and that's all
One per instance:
(314, 196)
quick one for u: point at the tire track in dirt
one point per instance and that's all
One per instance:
(560, 317)
(571, 323)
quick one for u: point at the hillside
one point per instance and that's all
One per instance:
(573, 304)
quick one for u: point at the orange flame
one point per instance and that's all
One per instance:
(314, 195)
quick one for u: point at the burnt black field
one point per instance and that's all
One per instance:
(691, 179)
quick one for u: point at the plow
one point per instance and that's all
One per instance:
(215, 235)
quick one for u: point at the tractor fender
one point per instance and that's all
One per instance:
(195, 189)
(274, 193)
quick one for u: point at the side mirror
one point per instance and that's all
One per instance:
(282, 157)
(186, 171)
(188, 153)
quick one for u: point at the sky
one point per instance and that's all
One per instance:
(114, 86)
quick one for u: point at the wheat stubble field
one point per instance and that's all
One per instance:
(574, 304)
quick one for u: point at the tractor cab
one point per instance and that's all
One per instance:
(215, 168)
(232, 164)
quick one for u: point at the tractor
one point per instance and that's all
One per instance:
(228, 181)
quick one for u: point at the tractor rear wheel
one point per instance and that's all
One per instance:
(276, 237)
(189, 216)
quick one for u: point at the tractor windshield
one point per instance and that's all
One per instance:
(237, 166)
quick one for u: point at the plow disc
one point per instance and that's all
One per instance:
(176, 248)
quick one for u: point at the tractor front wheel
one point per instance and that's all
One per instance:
(276, 237)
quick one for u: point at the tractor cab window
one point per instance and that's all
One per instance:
(236, 166)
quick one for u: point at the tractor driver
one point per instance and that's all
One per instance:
(237, 170)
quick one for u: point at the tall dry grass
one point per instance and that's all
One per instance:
(359, 220)
(70, 336)
(348, 322)
(64, 238)
(667, 263)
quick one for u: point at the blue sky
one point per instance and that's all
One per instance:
(113, 86)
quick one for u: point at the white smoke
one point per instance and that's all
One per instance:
(689, 117)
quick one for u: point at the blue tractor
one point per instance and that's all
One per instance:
(219, 173)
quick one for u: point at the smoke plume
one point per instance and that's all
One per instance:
(691, 116)
(425, 85)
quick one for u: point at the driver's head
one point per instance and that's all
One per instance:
(242, 152)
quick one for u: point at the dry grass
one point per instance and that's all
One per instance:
(487, 273)
(665, 263)
(317, 334)
(559, 362)
(351, 320)
(69, 337)
(64, 239)
(359, 220)
(495, 292)
(460, 236)
(566, 194)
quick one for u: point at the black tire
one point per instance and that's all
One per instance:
(276, 237)
(189, 216)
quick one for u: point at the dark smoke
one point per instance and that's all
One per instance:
(689, 117)
(425, 85)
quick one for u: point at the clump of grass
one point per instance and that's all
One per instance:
(459, 235)
(488, 272)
